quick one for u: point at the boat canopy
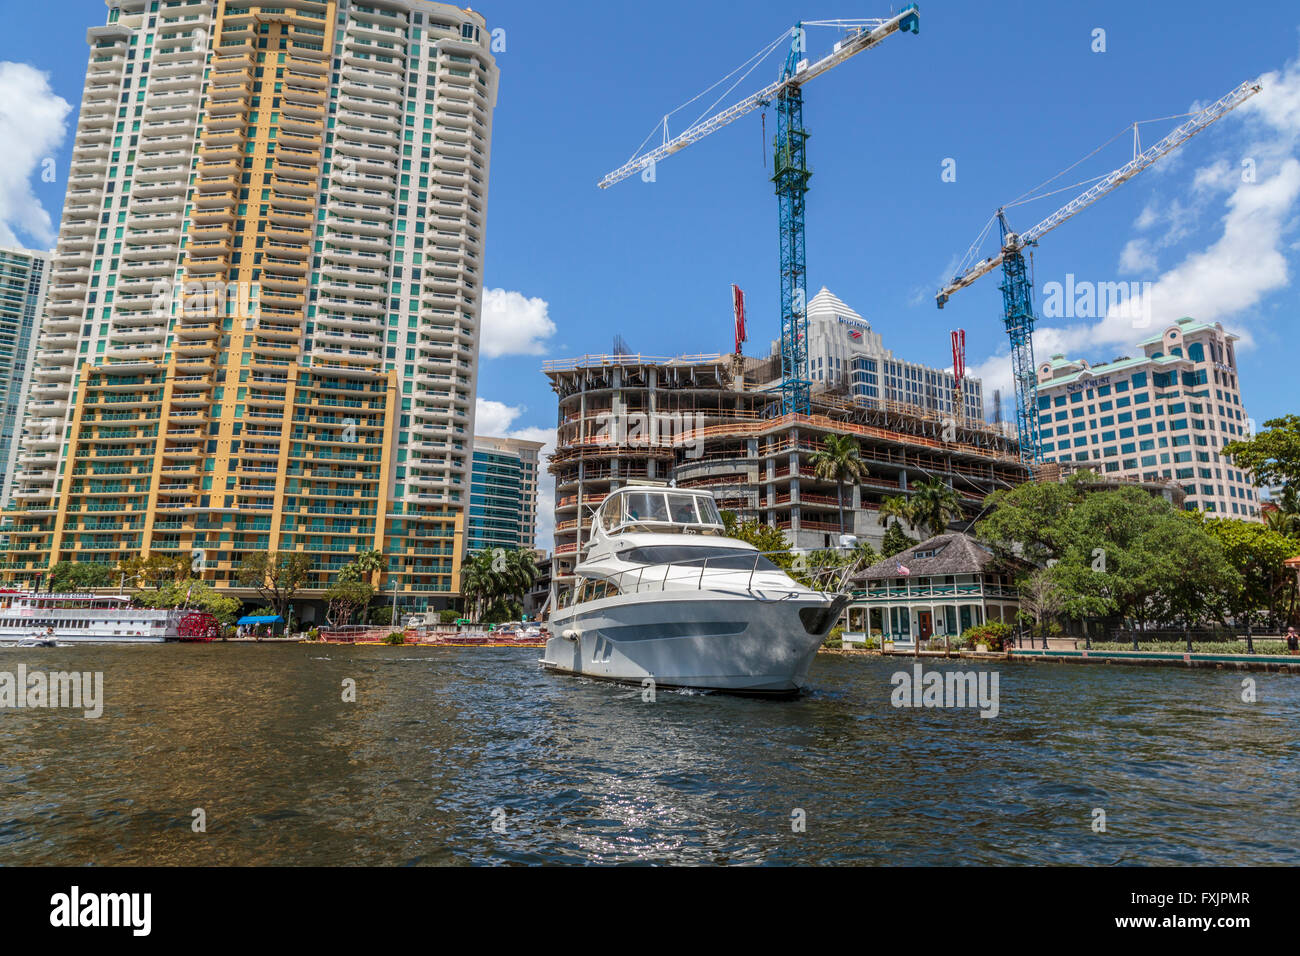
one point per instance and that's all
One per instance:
(642, 508)
(260, 619)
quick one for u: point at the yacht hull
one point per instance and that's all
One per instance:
(747, 642)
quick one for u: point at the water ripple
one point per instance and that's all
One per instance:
(474, 755)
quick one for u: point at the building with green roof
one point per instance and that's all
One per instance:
(1161, 415)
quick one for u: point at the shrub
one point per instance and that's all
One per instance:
(397, 637)
(994, 634)
(313, 634)
(448, 616)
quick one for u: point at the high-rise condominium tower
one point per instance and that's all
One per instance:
(23, 276)
(263, 315)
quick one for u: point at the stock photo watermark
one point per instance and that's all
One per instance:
(653, 429)
(53, 690)
(1085, 299)
(949, 690)
(75, 909)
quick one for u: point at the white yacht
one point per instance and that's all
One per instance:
(663, 594)
(68, 618)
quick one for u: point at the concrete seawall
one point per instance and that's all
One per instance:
(1273, 663)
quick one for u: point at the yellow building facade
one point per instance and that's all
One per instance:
(263, 323)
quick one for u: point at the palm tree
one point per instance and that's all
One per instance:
(894, 508)
(1283, 522)
(491, 576)
(368, 565)
(1285, 518)
(934, 505)
(370, 562)
(839, 461)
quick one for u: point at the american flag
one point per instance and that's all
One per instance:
(904, 570)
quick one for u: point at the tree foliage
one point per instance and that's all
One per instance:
(276, 576)
(933, 506)
(494, 582)
(154, 570)
(896, 540)
(1257, 551)
(78, 576)
(345, 598)
(1117, 554)
(192, 594)
(765, 537)
(838, 461)
(1273, 455)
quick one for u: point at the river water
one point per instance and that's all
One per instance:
(474, 755)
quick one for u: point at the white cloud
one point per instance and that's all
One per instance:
(32, 125)
(1137, 256)
(1225, 280)
(494, 419)
(514, 324)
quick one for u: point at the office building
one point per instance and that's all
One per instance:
(503, 494)
(23, 278)
(1159, 416)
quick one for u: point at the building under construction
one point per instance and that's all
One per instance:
(714, 421)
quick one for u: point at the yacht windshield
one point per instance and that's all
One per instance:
(669, 507)
(683, 509)
(726, 558)
(646, 506)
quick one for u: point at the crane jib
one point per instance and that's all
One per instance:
(907, 21)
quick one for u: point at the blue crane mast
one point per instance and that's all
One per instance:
(790, 174)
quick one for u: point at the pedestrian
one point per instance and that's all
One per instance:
(1292, 640)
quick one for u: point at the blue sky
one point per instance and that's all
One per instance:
(1012, 91)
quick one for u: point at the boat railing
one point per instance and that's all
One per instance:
(650, 578)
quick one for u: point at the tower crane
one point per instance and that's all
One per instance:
(1017, 289)
(790, 172)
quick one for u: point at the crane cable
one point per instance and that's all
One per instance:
(752, 63)
(1027, 197)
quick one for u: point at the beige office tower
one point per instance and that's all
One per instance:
(263, 318)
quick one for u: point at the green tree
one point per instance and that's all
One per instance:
(893, 509)
(496, 580)
(1201, 584)
(1257, 552)
(370, 563)
(838, 461)
(1031, 520)
(1126, 554)
(895, 541)
(76, 576)
(153, 570)
(193, 594)
(934, 506)
(1273, 455)
(345, 598)
(767, 538)
(1285, 518)
(276, 576)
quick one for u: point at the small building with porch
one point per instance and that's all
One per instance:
(939, 587)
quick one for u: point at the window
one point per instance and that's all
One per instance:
(682, 508)
(644, 506)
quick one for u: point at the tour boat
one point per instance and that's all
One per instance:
(664, 595)
(68, 618)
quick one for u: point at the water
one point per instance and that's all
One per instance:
(443, 742)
